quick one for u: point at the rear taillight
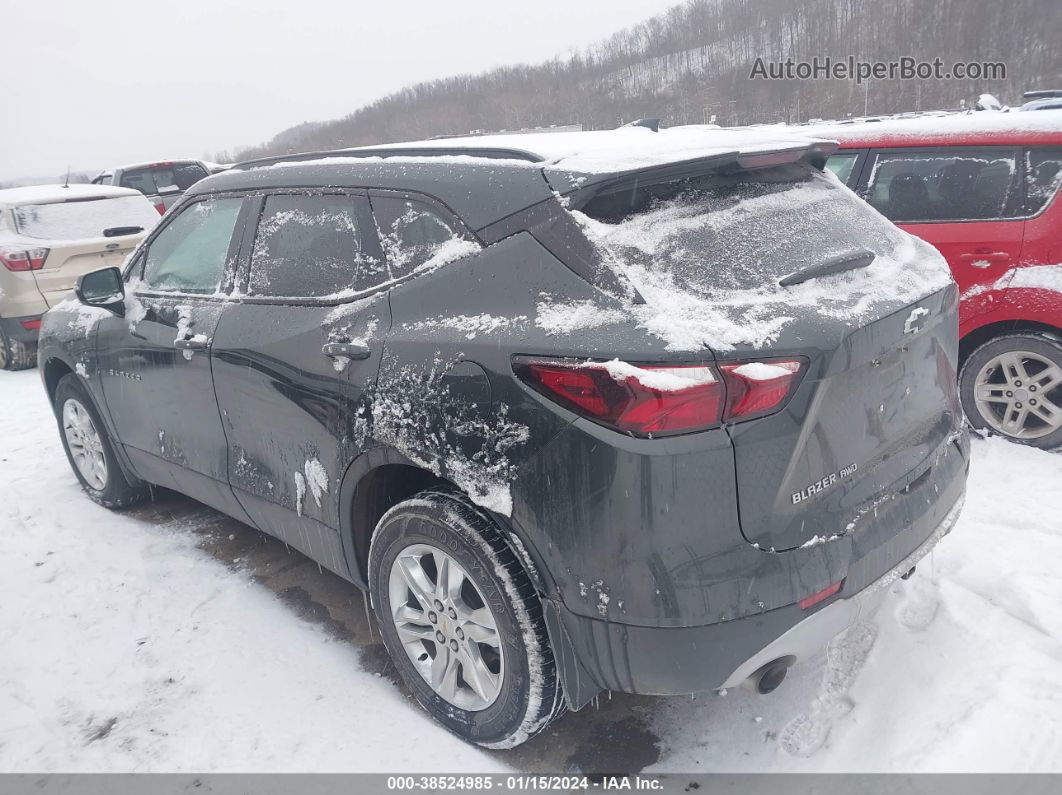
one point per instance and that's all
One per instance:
(757, 388)
(658, 399)
(31, 325)
(21, 259)
(160, 207)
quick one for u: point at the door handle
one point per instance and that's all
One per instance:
(990, 256)
(346, 350)
(190, 344)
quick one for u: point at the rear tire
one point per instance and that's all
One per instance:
(16, 355)
(1012, 386)
(484, 590)
(88, 447)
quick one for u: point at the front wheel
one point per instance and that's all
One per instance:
(1012, 385)
(462, 621)
(89, 449)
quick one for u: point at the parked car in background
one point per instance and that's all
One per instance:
(217, 168)
(1045, 99)
(983, 189)
(163, 182)
(654, 412)
(50, 235)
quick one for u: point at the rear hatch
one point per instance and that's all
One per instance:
(82, 235)
(783, 261)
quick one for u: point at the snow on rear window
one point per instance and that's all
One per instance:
(707, 254)
(77, 220)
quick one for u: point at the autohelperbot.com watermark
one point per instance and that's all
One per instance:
(850, 68)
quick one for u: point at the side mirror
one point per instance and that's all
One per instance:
(103, 288)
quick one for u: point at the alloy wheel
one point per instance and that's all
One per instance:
(85, 444)
(1019, 394)
(446, 627)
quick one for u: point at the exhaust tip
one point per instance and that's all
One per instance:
(770, 676)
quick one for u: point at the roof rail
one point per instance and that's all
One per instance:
(485, 152)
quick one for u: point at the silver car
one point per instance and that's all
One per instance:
(163, 182)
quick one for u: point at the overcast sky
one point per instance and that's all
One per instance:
(95, 83)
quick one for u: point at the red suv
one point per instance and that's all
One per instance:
(982, 188)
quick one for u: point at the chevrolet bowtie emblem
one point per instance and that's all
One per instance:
(910, 326)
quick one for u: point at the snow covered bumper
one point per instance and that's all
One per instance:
(600, 655)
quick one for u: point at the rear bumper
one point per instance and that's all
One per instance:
(674, 661)
(811, 635)
(14, 330)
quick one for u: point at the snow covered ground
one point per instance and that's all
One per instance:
(124, 646)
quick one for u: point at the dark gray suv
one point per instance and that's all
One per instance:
(648, 411)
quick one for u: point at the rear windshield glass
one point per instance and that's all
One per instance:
(76, 220)
(171, 178)
(707, 253)
(740, 231)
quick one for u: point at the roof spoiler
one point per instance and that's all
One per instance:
(814, 153)
(487, 152)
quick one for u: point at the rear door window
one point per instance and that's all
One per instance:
(1043, 176)
(88, 218)
(413, 234)
(190, 254)
(314, 246)
(163, 178)
(944, 185)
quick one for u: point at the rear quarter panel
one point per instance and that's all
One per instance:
(602, 516)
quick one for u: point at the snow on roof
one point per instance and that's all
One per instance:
(627, 148)
(356, 160)
(50, 194)
(159, 162)
(938, 126)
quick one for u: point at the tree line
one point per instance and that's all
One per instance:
(692, 65)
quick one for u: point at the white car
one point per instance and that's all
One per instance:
(50, 235)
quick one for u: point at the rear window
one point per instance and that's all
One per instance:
(1043, 176)
(85, 218)
(707, 253)
(740, 231)
(170, 178)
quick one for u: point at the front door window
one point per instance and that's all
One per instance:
(191, 253)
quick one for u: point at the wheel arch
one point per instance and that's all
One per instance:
(53, 370)
(977, 337)
(383, 477)
(372, 484)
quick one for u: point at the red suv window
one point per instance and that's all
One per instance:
(945, 185)
(1043, 175)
